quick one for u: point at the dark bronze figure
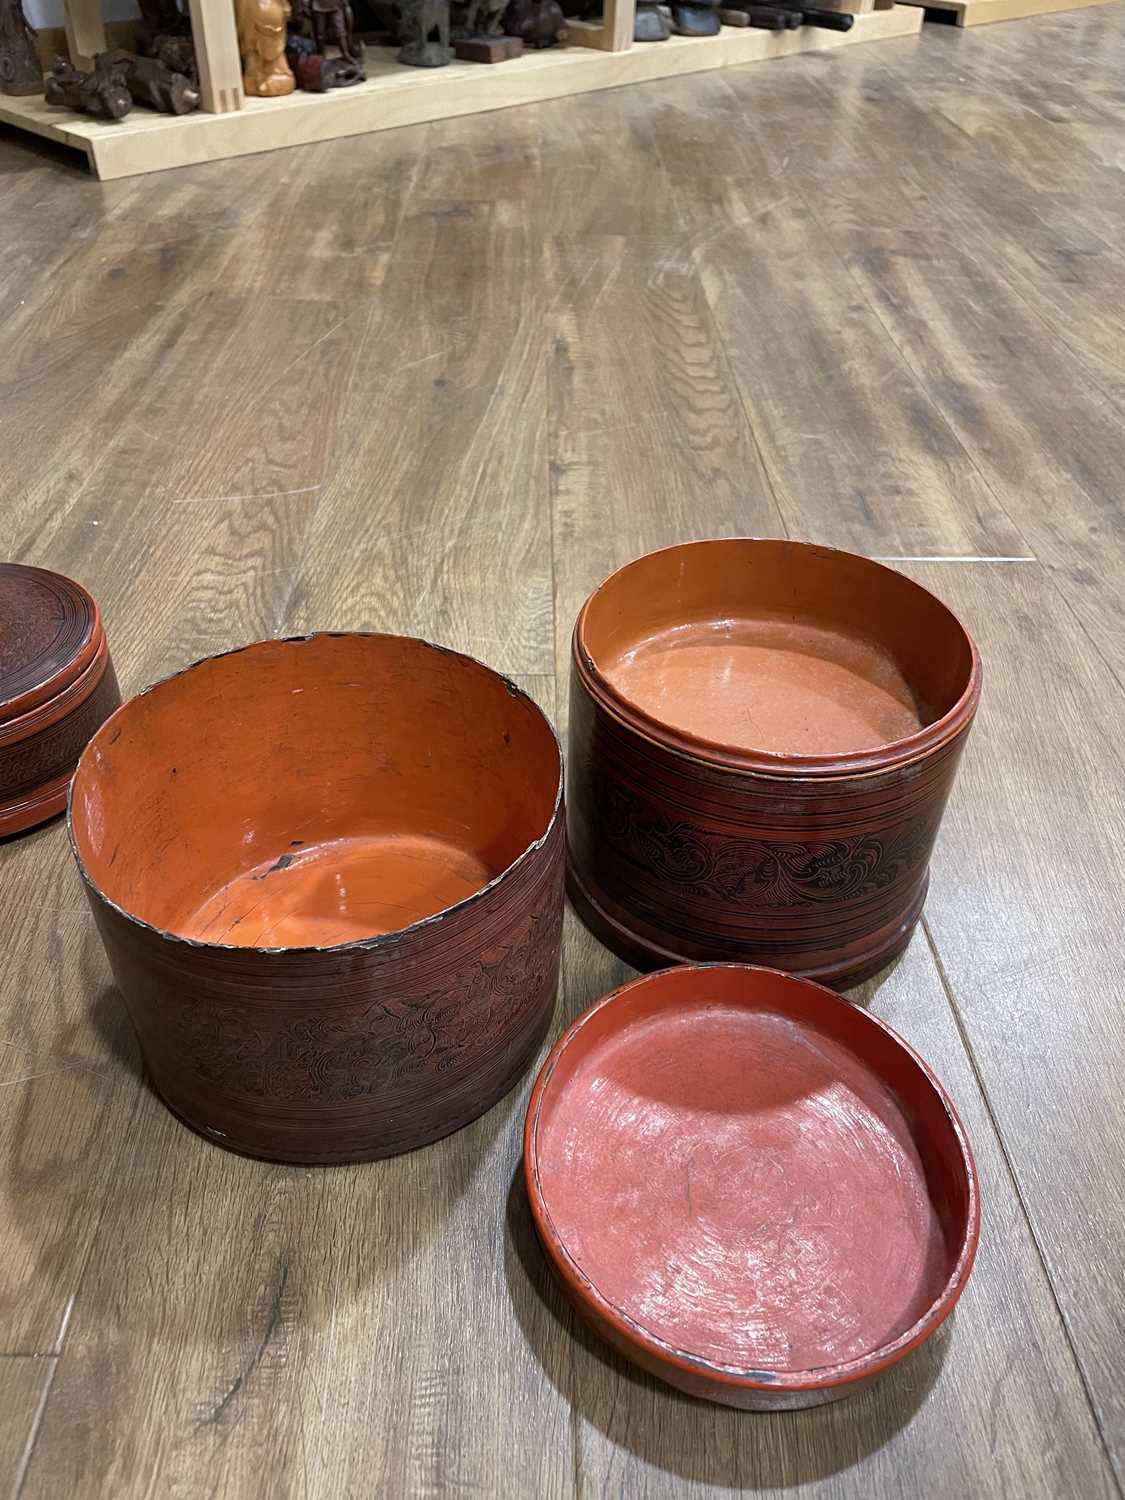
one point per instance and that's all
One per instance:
(103, 93)
(333, 24)
(151, 82)
(538, 23)
(316, 74)
(177, 53)
(20, 72)
(424, 33)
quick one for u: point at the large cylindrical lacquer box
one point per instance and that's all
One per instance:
(763, 736)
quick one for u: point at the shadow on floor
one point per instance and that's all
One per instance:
(698, 1440)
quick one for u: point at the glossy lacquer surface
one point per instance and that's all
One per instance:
(763, 736)
(57, 685)
(327, 872)
(750, 1186)
(777, 685)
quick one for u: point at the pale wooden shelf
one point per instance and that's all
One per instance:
(394, 95)
(981, 12)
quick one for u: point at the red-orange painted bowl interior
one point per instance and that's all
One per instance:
(778, 654)
(753, 1188)
(313, 792)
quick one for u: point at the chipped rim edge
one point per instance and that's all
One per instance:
(824, 1377)
(355, 945)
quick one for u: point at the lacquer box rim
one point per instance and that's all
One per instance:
(878, 759)
(365, 944)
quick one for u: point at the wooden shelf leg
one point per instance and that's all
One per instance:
(216, 51)
(85, 31)
(614, 34)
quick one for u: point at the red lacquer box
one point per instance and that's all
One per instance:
(57, 687)
(327, 872)
(763, 736)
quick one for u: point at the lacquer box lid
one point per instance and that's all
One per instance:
(50, 632)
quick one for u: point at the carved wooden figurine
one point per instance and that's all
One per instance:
(333, 23)
(261, 40)
(177, 53)
(103, 93)
(316, 74)
(20, 72)
(538, 23)
(424, 31)
(150, 82)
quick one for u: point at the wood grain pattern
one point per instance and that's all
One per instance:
(24, 1384)
(443, 380)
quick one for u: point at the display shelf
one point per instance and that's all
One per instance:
(981, 12)
(394, 95)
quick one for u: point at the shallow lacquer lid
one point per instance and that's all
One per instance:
(49, 634)
(751, 1187)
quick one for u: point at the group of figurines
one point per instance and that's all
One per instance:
(160, 73)
(312, 44)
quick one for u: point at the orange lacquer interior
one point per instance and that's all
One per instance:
(777, 646)
(313, 792)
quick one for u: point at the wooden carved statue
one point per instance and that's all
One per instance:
(177, 53)
(261, 40)
(334, 24)
(150, 82)
(538, 23)
(424, 33)
(103, 93)
(318, 74)
(20, 72)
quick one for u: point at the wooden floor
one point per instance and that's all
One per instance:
(442, 380)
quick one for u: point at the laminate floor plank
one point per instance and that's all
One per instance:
(23, 1388)
(856, 451)
(197, 509)
(649, 443)
(974, 334)
(438, 523)
(1025, 915)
